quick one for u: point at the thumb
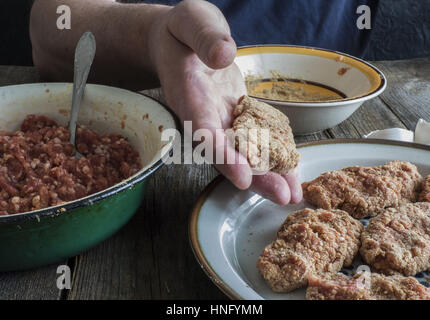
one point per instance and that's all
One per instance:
(202, 27)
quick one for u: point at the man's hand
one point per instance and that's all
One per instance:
(193, 52)
(188, 48)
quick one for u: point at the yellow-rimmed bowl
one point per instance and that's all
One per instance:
(350, 80)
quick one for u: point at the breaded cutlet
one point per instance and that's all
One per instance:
(374, 287)
(398, 240)
(365, 191)
(252, 115)
(309, 242)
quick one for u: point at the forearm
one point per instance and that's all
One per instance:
(121, 31)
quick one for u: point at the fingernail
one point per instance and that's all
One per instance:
(221, 54)
(246, 180)
(283, 197)
(297, 196)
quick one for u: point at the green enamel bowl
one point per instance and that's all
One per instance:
(41, 237)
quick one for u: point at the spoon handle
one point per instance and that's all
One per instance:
(84, 56)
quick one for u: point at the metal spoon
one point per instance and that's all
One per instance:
(84, 56)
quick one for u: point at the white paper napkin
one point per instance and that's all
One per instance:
(421, 134)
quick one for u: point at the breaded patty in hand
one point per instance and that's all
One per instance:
(309, 242)
(365, 191)
(251, 116)
(374, 287)
(425, 190)
(398, 240)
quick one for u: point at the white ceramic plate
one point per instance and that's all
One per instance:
(229, 228)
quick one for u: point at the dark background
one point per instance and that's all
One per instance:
(400, 30)
(15, 46)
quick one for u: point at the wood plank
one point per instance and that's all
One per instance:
(372, 115)
(312, 137)
(408, 90)
(11, 75)
(30, 285)
(151, 258)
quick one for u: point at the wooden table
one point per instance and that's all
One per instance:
(150, 258)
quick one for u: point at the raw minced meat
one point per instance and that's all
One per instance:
(38, 168)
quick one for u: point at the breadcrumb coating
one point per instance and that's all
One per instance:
(365, 191)
(425, 190)
(252, 115)
(374, 287)
(398, 240)
(309, 242)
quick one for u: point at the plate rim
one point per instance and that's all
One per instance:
(195, 213)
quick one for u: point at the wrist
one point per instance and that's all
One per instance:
(156, 34)
(133, 47)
